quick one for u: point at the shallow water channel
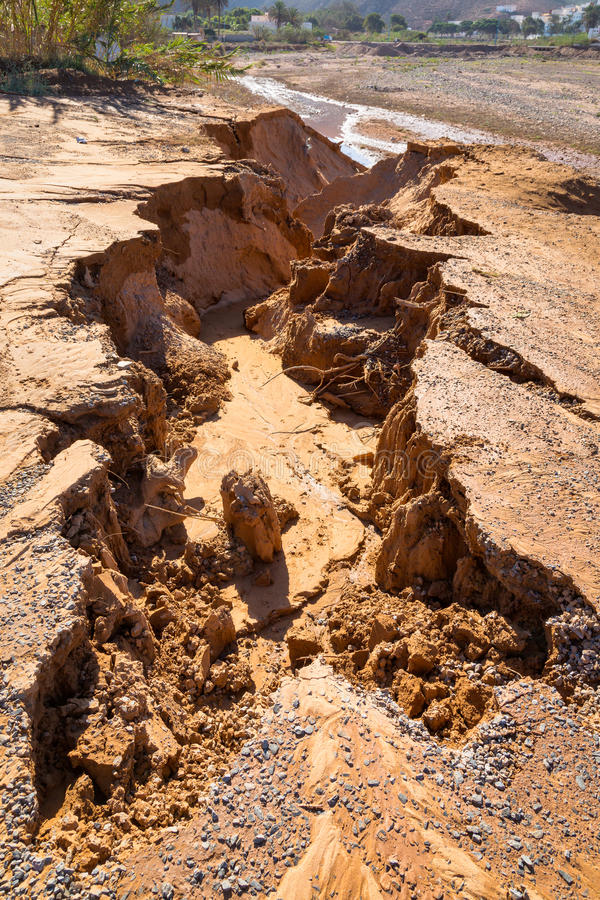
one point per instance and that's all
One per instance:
(340, 121)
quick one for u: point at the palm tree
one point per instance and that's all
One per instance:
(294, 17)
(220, 4)
(197, 7)
(591, 16)
(278, 13)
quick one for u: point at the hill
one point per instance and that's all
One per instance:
(418, 15)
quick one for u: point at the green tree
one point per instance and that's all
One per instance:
(398, 22)
(373, 23)
(532, 26)
(485, 26)
(591, 16)
(443, 28)
(238, 18)
(556, 25)
(121, 37)
(354, 22)
(198, 7)
(294, 18)
(202, 9)
(220, 5)
(466, 26)
(340, 14)
(278, 13)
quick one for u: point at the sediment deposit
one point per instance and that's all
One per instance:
(299, 512)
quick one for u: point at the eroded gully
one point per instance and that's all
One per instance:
(301, 449)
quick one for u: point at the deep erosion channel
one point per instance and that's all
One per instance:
(301, 558)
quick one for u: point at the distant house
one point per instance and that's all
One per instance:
(262, 22)
(506, 9)
(178, 8)
(198, 35)
(266, 22)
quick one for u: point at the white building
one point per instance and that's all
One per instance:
(262, 22)
(179, 8)
(266, 22)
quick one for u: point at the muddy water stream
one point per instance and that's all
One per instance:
(341, 121)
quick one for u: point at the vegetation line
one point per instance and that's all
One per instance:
(118, 38)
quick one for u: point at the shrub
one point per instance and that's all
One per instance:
(295, 35)
(24, 81)
(262, 33)
(374, 23)
(117, 36)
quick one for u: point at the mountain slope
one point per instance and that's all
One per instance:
(418, 15)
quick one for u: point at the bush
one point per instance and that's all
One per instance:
(175, 62)
(295, 35)
(184, 23)
(374, 23)
(24, 81)
(116, 36)
(262, 33)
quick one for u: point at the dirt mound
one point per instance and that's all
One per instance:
(340, 792)
(407, 179)
(157, 327)
(91, 490)
(305, 159)
(430, 541)
(248, 507)
(439, 660)
(241, 207)
(383, 50)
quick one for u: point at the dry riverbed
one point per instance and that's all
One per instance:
(545, 99)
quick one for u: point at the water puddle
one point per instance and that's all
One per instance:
(340, 121)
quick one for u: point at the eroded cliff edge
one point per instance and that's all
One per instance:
(447, 300)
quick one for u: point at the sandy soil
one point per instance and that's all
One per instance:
(298, 510)
(299, 449)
